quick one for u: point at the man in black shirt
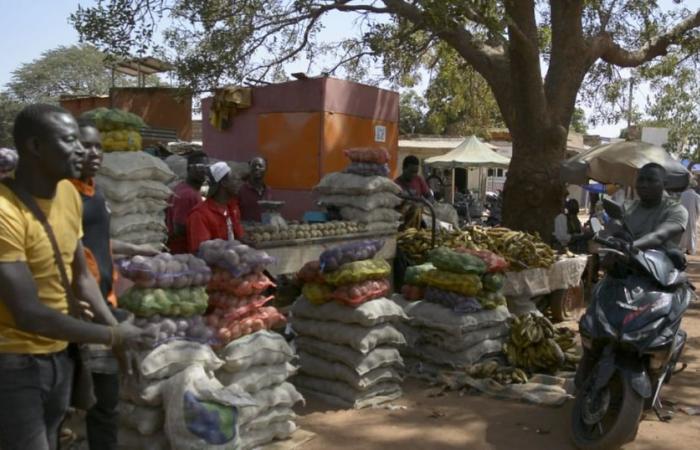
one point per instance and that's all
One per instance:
(101, 419)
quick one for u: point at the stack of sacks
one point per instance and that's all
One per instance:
(120, 130)
(463, 317)
(135, 187)
(236, 290)
(168, 295)
(148, 418)
(413, 286)
(363, 193)
(348, 356)
(260, 364)
(437, 338)
(348, 316)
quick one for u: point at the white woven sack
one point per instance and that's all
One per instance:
(460, 359)
(431, 315)
(319, 367)
(125, 191)
(138, 206)
(147, 420)
(253, 439)
(368, 314)
(128, 439)
(153, 238)
(340, 394)
(137, 223)
(279, 396)
(135, 166)
(350, 184)
(376, 215)
(360, 363)
(260, 348)
(453, 343)
(362, 339)
(256, 378)
(365, 203)
(173, 357)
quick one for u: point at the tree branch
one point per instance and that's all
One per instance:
(613, 53)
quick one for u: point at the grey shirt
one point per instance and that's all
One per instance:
(642, 221)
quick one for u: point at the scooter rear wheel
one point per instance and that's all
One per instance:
(619, 421)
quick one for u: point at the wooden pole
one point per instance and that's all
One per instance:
(452, 186)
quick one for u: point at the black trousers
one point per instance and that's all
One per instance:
(102, 420)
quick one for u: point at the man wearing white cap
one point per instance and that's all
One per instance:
(219, 217)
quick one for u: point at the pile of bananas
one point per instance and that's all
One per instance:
(495, 371)
(522, 250)
(417, 243)
(535, 345)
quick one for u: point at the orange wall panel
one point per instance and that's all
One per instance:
(290, 142)
(341, 131)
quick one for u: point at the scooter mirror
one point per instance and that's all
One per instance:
(614, 210)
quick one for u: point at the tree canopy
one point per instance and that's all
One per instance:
(72, 70)
(534, 55)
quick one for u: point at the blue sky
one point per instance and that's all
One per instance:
(30, 27)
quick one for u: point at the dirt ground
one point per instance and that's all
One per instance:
(477, 422)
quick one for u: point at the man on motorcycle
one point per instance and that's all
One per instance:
(655, 220)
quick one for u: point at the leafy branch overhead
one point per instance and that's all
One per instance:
(534, 55)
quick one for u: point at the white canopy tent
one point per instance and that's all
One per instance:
(470, 153)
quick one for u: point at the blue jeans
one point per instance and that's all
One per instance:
(34, 397)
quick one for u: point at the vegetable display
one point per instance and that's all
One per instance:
(147, 302)
(166, 271)
(494, 263)
(311, 273)
(264, 318)
(252, 284)
(412, 293)
(237, 258)
(356, 294)
(536, 345)
(332, 259)
(414, 274)
(269, 233)
(451, 261)
(367, 155)
(368, 169)
(121, 141)
(191, 328)
(491, 300)
(493, 282)
(465, 284)
(317, 293)
(357, 271)
(233, 308)
(458, 303)
(517, 249)
(107, 119)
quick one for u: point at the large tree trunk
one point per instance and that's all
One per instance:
(534, 194)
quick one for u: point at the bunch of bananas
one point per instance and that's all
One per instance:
(502, 374)
(417, 243)
(535, 345)
(522, 250)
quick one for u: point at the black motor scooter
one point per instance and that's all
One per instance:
(632, 340)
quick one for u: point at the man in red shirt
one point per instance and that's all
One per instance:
(411, 182)
(185, 197)
(219, 216)
(254, 190)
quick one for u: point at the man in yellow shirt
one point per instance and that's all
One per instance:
(36, 372)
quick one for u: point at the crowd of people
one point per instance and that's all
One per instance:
(58, 313)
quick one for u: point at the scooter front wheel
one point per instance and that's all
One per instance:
(608, 419)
